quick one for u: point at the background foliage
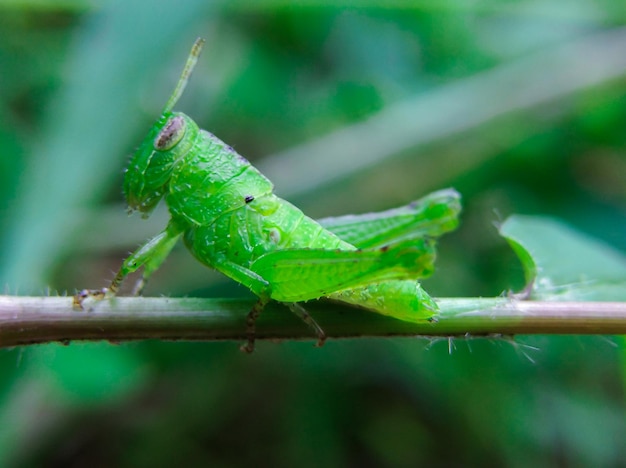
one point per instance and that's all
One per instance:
(521, 106)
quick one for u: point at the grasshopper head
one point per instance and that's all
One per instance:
(169, 140)
(150, 168)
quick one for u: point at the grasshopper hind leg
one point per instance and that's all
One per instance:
(306, 318)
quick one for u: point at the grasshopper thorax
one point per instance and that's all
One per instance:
(150, 168)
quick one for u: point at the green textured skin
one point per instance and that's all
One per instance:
(230, 220)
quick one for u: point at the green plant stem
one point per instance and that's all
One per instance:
(32, 320)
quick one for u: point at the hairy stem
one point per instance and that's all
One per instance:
(31, 320)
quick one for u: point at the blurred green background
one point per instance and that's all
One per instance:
(521, 106)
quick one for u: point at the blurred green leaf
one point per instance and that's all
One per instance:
(88, 373)
(86, 128)
(45, 382)
(564, 264)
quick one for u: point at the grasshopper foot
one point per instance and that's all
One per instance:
(306, 318)
(248, 347)
(321, 339)
(81, 296)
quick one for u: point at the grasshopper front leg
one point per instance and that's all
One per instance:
(150, 256)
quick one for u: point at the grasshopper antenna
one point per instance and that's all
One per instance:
(184, 77)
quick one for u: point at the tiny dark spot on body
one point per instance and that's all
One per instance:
(248, 198)
(384, 248)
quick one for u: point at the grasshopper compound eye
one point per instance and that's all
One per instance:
(170, 134)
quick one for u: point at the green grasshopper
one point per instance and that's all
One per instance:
(229, 218)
